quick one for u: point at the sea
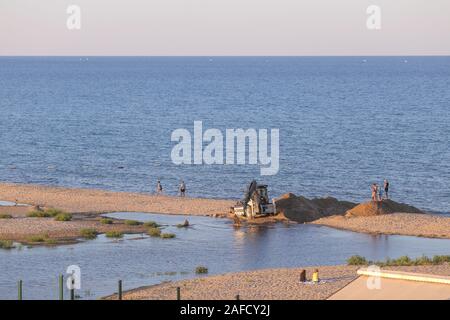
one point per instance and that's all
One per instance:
(344, 123)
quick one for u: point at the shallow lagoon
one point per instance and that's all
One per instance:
(140, 260)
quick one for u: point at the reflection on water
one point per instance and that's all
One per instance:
(140, 260)
(10, 204)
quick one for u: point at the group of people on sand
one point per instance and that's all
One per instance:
(377, 191)
(181, 188)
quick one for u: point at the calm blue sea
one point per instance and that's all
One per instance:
(345, 122)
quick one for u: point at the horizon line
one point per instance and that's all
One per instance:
(223, 56)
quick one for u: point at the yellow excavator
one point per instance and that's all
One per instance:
(256, 202)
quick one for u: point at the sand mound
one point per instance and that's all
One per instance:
(301, 209)
(372, 208)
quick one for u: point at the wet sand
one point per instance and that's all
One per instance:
(267, 284)
(409, 224)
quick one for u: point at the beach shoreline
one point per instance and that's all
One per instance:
(405, 224)
(78, 200)
(88, 204)
(265, 284)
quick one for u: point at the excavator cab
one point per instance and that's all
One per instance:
(256, 202)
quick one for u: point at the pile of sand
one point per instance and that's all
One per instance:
(375, 208)
(301, 209)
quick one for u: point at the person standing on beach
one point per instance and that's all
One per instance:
(159, 188)
(182, 189)
(386, 188)
(374, 188)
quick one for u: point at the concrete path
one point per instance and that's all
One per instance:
(396, 286)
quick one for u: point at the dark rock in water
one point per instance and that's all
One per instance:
(301, 209)
(375, 208)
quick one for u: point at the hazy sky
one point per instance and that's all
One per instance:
(224, 27)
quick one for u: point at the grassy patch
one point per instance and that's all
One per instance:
(6, 244)
(132, 223)
(441, 259)
(356, 261)
(114, 234)
(38, 214)
(401, 261)
(50, 241)
(37, 239)
(49, 213)
(5, 216)
(167, 235)
(54, 212)
(151, 224)
(88, 233)
(63, 217)
(106, 221)
(201, 270)
(154, 232)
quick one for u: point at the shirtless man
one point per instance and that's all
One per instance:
(159, 188)
(182, 189)
(386, 188)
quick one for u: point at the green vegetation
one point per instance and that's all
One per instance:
(88, 233)
(167, 235)
(114, 234)
(106, 221)
(357, 261)
(151, 224)
(38, 214)
(6, 244)
(37, 238)
(63, 217)
(402, 261)
(154, 232)
(54, 212)
(441, 259)
(48, 213)
(132, 223)
(50, 241)
(5, 216)
(201, 270)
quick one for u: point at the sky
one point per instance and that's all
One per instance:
(224, 27)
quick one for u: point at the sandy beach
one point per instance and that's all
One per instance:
(410, 224)
(86, 205)
(23, 229)
(100, 201)
(267, 284)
